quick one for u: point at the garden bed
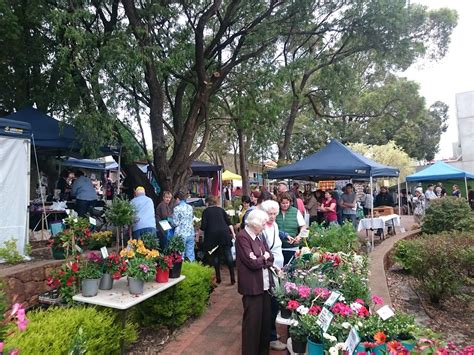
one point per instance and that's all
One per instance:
(453, 318)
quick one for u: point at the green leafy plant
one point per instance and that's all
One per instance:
(175, 245)
(65, 280)
(176, 305)
(10, 253)
(298, 331)
(141, 269)
(3, 307)
(334, 238)
(407, 254)
(53, 331)
(120, 213)
(150, 241)
(446, 214)
(90, 269)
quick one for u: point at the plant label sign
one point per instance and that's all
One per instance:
(385, 312)
(231, 213)
(325, 319)
(92, 221)
(332, 298)
(104, 252)
(68, 211)
(352, 341)
(165, 225)
(78, 248)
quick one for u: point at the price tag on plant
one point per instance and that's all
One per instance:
(332, 298)
(352, 341)
(165, 225)
(231, 213)
(92, 221)
(104, 252)
(325, 319)
(78, 248)
(304, 234)
(385, 312)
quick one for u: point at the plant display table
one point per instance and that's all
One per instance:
(120, 298)
(393, 220)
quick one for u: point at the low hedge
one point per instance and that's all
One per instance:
(441, 262)
(446, 214)
(56, 331)
(189, 298)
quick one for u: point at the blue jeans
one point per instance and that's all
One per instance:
(139, 232)
(189, 248)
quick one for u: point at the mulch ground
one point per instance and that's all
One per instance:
(452, 318)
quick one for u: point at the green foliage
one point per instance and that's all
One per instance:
(89, 270)
(441, 262)
(53, 331)
(334, 238)
(446, 214)
(3, 308)
(10, 253)
(175, 245)
(187, 299)
(120, 212)
(150, 241)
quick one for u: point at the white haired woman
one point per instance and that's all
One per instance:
(271, 233)
(254, 283)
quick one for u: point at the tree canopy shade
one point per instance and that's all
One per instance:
(439, 171)
(333, 161)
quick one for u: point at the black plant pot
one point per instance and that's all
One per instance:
(285, 313)
(175, 271)
(299, 346)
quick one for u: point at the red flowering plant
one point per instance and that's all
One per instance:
(114, 265)
(76, 233)
(164, 262)
(65, 279)
(175, 249)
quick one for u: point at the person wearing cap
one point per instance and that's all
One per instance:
(84, 192)
(418, 205)
(183, 221)
(145, 221)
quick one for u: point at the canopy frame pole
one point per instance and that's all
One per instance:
(372, 215)
(399, 198)
(119, 170)
(408, 202)
(467, 191)
(44, 217)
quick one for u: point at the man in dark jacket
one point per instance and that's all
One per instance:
(384, 198)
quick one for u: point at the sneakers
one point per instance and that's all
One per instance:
(277, 345)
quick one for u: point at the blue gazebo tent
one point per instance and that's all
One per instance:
(93, 164)
(335, 160)
(441, 171)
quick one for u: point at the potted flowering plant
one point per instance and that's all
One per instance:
(98, 240)
(139, 270)
(90, 273)
(309, 324)
(175, 250)
(64, 280)
(298, 332)
(163, 264)
(64, 243)
(113, 267)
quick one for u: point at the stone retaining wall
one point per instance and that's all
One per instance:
(24, 283)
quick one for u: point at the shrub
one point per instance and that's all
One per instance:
(53, 331)
(440, 262)
(335, 238)
(446, 214)
(188, 299)
(10, 253)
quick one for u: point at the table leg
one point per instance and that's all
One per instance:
(122, 338)
(393, 226)
(173, 325)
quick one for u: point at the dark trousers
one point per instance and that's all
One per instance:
(215, 260)
(313, 219)
(287, 255)
(256, 324)
(83, 206)
(275, 308)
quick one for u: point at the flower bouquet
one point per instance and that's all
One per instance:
(139, 270)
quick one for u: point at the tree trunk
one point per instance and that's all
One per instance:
(284, 146)
(243, 163)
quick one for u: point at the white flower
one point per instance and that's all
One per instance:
(359, 324)
(329, 337)
(333, 351)
(341, 298)
(302, 310)
(346, 325)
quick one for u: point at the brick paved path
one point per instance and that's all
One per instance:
(218, 330)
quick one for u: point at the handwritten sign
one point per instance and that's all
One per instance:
(352, 341)
(385, 312)
(104, 252)
(325, 319)
(332, 298)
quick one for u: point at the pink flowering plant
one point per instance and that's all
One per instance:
(16, 316)
(141, 268)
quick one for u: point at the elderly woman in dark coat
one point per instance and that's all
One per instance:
(254, 259)
(218, 235)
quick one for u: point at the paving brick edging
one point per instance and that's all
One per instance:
(379, 262)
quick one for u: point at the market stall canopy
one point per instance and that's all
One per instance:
(93, 164)
(439, 171)
(333, 161)
(229, 175)
(199, 168)
(50, 135)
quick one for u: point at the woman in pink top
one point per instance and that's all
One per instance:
(300, 203)
(329, 209)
